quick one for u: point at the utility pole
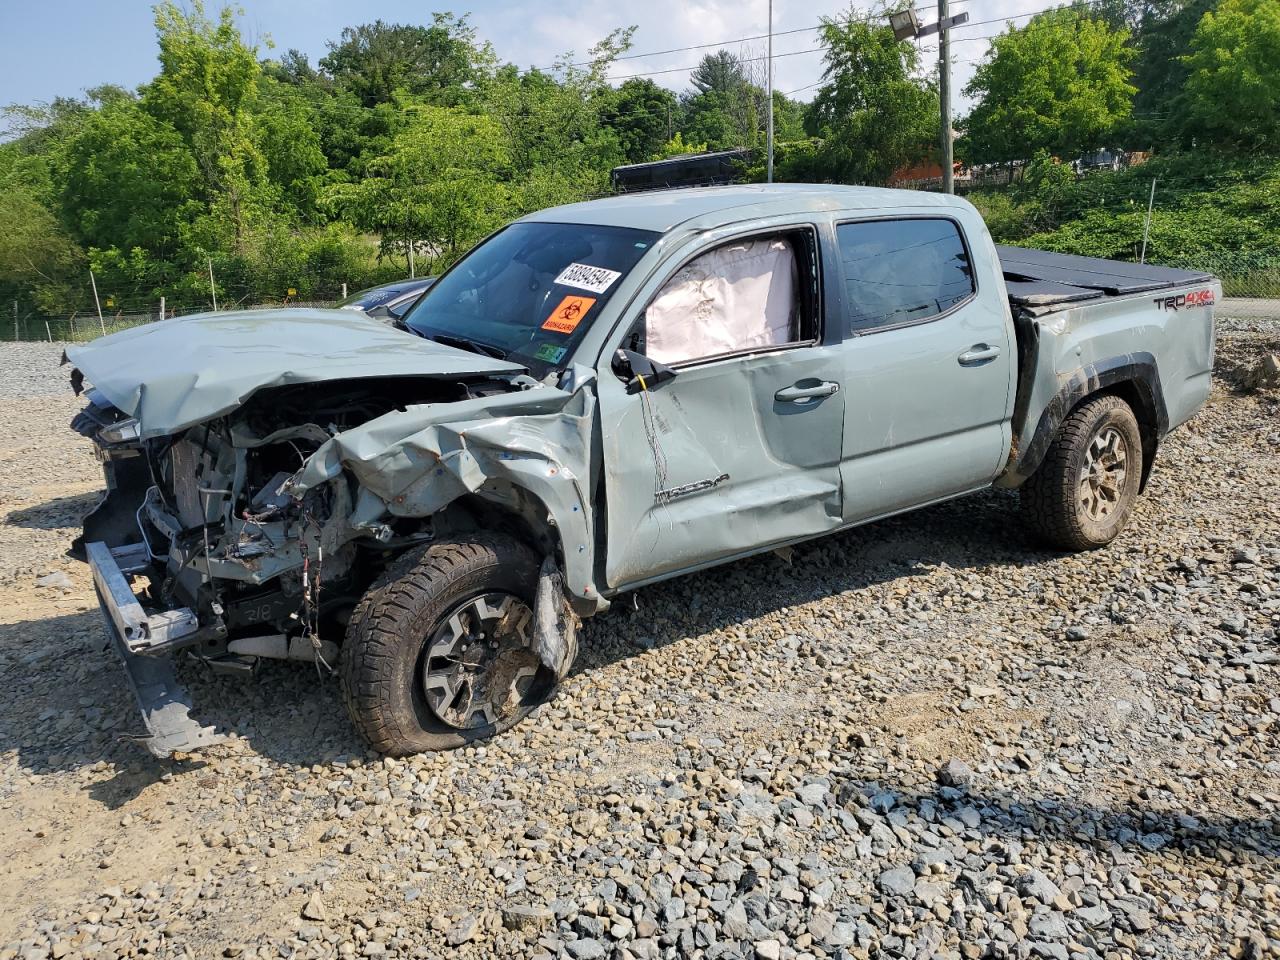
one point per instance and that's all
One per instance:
(769, 91)
(944, 95)
(213, 291)
(906, 26)
(161, 306)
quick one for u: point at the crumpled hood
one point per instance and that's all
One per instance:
(175, 373)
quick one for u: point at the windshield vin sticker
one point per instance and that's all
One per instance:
(566, 317)
(586, 277)
(550, 352)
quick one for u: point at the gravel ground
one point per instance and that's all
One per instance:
(924, 738)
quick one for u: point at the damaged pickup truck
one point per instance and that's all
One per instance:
(595, 398)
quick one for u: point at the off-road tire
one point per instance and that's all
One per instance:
(1051, 497)
(390, 626)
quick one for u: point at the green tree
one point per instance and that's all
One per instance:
(726, 107)
(641, 115)
(560, 149)
(441, 186)
(37, 257)
(722, 120)
(1232, 94)
(1059, 84)
(207, 91)
(130, 181)
(433, 64)
(1160, 71)
(788, 118)
(719, 72)
(285, 130)
(873, 112)
(292, 67)
(678, 146)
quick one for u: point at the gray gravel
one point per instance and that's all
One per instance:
(925, 738)
(31, 369)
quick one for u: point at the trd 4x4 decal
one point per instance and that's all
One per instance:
(1199, 298)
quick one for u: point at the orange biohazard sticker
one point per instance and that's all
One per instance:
(565, 318)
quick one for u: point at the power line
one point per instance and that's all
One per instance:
(869, 18)
(776, 56)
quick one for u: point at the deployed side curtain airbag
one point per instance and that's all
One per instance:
(735, 297)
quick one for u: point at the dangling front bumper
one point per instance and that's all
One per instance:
(142, 640)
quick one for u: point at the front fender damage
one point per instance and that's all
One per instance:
(266, 525)
(414, 463)
(555, 625)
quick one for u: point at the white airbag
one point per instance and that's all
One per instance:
(736, 297)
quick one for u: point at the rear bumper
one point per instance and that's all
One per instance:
(138, 637)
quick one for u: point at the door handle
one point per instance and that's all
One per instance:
(799, 394)
(978, 354)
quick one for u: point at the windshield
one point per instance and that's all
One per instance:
(531, 291)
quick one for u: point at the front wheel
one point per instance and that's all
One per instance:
(1083, 493)
(440, 651)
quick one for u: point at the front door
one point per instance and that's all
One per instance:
(742, 448)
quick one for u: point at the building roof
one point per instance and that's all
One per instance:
(703, 207)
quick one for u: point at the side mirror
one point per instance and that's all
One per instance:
(638, 372)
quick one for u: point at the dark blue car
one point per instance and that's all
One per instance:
(391, 301)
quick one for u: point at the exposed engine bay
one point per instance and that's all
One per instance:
(212, 523)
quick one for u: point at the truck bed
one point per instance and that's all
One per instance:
(1040, 281)
(1084, 324)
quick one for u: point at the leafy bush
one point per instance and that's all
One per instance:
(1208, 207)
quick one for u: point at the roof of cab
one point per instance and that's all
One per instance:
(663, 210)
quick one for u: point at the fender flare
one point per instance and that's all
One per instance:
(1133, 376)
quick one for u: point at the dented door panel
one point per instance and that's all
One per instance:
(711, 464)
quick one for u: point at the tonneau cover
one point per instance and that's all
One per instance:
(1038, 278)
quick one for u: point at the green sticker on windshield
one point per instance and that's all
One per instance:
(550, 352)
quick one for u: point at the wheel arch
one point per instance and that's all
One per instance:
(559, 530)
(1134, 378)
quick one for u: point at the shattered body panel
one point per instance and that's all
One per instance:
(176, 373)
(260, 487)
(415, 462)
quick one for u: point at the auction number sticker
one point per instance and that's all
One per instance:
(566, 317)
(586, 277)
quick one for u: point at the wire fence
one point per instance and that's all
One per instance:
(81, 328)
(1254, 274)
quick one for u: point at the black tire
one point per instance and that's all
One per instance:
(389, 632)
(1054, 498)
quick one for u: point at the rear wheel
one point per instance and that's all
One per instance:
(1082, 495)
(440, 650)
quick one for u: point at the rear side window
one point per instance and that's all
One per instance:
(902, 271)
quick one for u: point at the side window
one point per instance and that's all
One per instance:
(897, 271)
(749, 294)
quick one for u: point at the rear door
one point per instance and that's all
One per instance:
(742, 448)
(930, 366)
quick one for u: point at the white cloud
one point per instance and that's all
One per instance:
(537, 37)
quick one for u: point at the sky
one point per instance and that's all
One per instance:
(51, 48)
